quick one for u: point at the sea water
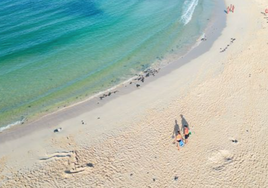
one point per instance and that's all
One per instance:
(54, 53)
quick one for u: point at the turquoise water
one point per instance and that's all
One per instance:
(53, 53)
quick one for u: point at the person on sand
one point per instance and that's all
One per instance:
(186, 133)
(179, 140)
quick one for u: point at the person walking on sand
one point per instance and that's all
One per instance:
(186, 133)
(179, 140)
(233, 9)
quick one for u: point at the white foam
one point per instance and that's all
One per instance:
(12, 124)
(188, 10)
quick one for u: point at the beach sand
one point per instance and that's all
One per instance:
(127, 141)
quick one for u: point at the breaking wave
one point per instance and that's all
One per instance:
(188, 10)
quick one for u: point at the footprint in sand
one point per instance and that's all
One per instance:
(220, 158)
(74, 165)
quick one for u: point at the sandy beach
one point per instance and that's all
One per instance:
(126, 139)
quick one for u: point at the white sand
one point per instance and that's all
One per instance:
(223, 97)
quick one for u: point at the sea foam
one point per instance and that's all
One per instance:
(12, 124)
(188, 10)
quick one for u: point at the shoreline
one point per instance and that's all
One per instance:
(197, 49)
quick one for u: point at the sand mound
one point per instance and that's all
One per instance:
(220, 158)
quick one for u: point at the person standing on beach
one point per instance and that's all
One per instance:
(233, 9)
(186, 133)
(179, 140)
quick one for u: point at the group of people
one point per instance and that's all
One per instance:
(230, 9)
(181, 139)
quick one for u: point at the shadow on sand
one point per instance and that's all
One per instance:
(176, 129)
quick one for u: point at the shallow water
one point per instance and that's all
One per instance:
(53, 53)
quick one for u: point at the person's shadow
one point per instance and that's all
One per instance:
(176, 129)
(184, 123)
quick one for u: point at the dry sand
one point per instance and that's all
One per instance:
(127, 142)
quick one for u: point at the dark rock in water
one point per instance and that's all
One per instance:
(82, 122)
(176, 178)
(106, 95)
(57, 130)
(90, 165)
(138, 85)
(98, 117)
